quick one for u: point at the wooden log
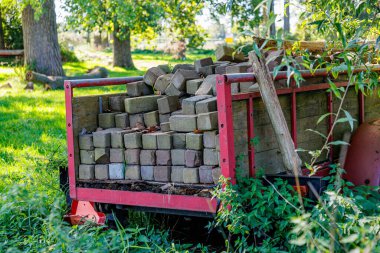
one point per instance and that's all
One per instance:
(264, 78)
(56, 82)
(11, 52)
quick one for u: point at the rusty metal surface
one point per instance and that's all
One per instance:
(363, 156)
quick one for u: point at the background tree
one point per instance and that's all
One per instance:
(180, 17)
(122, 18)
(10, 27)
(2, 39)
(246, 15)
(41, 48)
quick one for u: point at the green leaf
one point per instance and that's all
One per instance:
(350, 119)
(350, 238)
(317, 132)
(323, 117)
(257, 50)
(336, 143)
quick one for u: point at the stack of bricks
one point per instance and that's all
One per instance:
(165, 129)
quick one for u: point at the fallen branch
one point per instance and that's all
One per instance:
(56, 82)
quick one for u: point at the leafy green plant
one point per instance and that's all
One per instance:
(67, 54)
(351, 216)
(257, 213)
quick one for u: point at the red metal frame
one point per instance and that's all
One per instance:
(225, 117)
(82, 211)
(226, 138)
(143, 199)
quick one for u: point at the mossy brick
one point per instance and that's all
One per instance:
(165, 127)
(202, 62)
(210, 157)
(178, 156)
(207, 105)
(207, 70)
(122, 120)
(224, 53)
(162, 173)
(244, 86)
(117, 155)
(164, 67)
(152, 74)
(102, 155)
(193, 158)
(193, 85)
(234, 89)
(177, 174)
(133, 140)
(168, 104)
(191, 175)
(141, 104)
(163, 82)
(221, 69)
(209, 139)
(178, 112)
(147, 157)
(238, 68)
(107, 120)
(205, 174)
(181, 76)
(87, 156)
(207, 121)
(164, 117)
(165, 140)
(163, 157)
(207, 86)
(86, 142)
(149, 140)
(194, 141)
(188, 104)
(132, 156)
(179, 140)
(132, 172)
(86, 171)
(136, 120)
(147, 172)
(216, 173)
(116, 103)
(116, 171)
(183, 66)
(117, 138)
(101, 172)
(102, 139)
(151, 119)
(183, 123)
(171, 90)
(137, 89)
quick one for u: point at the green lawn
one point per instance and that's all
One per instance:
(32, 147)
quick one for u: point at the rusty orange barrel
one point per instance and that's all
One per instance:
(363, 156)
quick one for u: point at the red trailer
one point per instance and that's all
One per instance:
(84, 198)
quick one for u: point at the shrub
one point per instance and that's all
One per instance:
(67, 54)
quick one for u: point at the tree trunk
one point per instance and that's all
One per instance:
(122, 55)
(272, 28)
(41, 48)
(286, 18)
(2, 40)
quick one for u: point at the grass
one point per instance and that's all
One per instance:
(33, 146)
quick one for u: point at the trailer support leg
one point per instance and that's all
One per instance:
(82, 211)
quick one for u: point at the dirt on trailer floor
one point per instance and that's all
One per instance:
(150, 186)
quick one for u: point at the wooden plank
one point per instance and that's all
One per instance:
(268, 92)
